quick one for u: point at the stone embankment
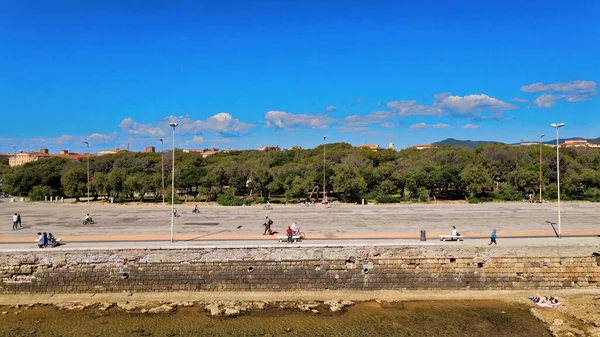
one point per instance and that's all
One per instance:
(300, 268)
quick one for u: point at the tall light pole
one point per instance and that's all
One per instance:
(14, 149)
(88, 171)
(324, 168)
(541, 186)
(173, 125)
(558, 126)
(162, 167)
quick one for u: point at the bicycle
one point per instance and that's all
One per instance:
(300, 234)
(307, 204)
(267, 207)
(88, 221)
(335, 203)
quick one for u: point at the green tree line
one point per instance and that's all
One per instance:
(491, 172)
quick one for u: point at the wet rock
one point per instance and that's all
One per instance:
(161, 309)
(314, 311)
(4, 312)
(183, 304)
(105, 306)
(126, 306)
(214, 309)
(307, 306)
(232, 312)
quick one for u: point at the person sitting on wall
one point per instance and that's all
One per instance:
(41, 240)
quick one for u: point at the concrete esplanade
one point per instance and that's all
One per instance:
(351, 247)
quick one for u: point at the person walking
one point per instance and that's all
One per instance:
(493, 238)
(19, 220)
(267, 224)
(15, 221)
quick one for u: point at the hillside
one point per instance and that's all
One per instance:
(471, 144)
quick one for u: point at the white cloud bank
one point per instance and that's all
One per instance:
(573, 91)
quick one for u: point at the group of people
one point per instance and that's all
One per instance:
(455, 234)
(290, 231)
(47, 240)
(17, 221)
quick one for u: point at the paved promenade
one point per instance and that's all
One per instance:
(149, 224)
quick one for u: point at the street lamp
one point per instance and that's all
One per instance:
(173, 125)
(324, 167)
(541, 136)
(88, 171)
(162, 168)
(558, 126)
(15, 149)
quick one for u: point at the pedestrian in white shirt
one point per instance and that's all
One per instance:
(15, 221)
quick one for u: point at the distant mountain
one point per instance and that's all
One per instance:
(472, 144)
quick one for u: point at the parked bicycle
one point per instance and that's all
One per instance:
(307, 204)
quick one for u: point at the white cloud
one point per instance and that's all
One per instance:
(52, 141)
(411, 108)
(419, 126)
(546, 101)
(573, 86)
(388, 125)
(442, 126)
(520, 100)
(63, 139)
(194, 141)
(222, 123)
(470, 126)
(374, 117)
(574, 91)
(351, 129)
(100, 138)
(471, 106)
(135, 128)
(331, 108)
(289, 121)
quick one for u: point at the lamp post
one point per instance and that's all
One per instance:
(162, 168)
(173, 125)
(324, 168)
(541, 186)
(88, 171)
(14, 149)
(558, 126)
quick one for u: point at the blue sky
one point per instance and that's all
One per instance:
(242, 74)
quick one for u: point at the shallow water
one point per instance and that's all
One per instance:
(419, 318)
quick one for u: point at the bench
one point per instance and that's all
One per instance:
(296, 238)
(451, 237)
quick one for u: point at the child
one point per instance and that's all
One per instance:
(493, 238)
(290, 234)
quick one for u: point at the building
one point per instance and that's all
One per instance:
(391, 146)
(205, 153)
(374, 148)
(295, 147)
(115, 151)
(578, 143)
(23, 158)
(425, 146)
(150, 149)
(269, 148)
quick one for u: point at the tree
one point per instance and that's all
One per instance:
(348, 181)
(74, 181)
(476, 179)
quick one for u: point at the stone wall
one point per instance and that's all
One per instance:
(279, 269)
